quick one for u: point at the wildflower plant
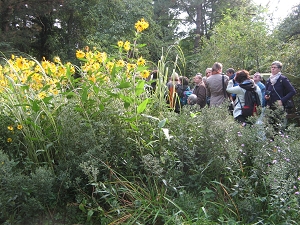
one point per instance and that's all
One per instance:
(33, 92)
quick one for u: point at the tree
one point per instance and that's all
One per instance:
(289, 34)
(241, 41)
(204, 14)
(23, 22)
(59, 27)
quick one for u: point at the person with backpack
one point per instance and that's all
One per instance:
(183, 90)
(200, 90)
(248, 96)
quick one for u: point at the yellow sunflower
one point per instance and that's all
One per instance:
(120, 63)
(141, 25)
(80, 54)
(126, 46)
(145, 73)
(141, 61)
(120, 44)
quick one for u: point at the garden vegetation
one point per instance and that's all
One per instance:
(90, 144)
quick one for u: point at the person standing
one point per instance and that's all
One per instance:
(243, 78)
(216, 85)
(207, 75)
(278, 87)
(230, 72)
(200, 90)
(173, 99)
(257, 79)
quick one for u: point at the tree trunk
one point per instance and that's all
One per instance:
(199, 27)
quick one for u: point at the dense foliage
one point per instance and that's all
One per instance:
(93, 144)
(203, 29)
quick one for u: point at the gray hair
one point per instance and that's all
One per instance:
(175, 76)
(199, 75)
(192, 99)
(217, 67)
(277, 63)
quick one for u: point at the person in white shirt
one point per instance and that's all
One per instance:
(243, 78)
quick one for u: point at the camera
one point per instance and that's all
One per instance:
(267, 93)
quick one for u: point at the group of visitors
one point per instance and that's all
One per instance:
(238, 88)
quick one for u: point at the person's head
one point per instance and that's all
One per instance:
(276, 67)
(241, 76)
(230, 71)
(192, 99)
(208, 72)
(184, 80)
(257, 77)
(198, 78)
(217, 68)
(174, 77)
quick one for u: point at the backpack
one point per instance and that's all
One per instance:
(183, 92)
(252, 101)
(184, 98)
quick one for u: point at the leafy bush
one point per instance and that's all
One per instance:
(24, 197)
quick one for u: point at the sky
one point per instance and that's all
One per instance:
(279, 8)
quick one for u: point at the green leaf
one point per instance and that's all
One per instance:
(124, 84)
(126, 104)
(162, 123)
(84, 94)
(35, 106)
(46, 100)
(126, 99)
(112, 94)
(128, 119)
(101, 107)
(113, 72)
(139, 89)
(96, 89)
(69, 94)
(89, 215)
(134, 127)
(77, 108)
(81, 207)
(142, 106)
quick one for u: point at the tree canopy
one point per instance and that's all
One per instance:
(233, 32)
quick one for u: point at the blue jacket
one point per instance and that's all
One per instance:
(263, 90)
(284, 89)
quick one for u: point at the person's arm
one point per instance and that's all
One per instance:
(233, 89)
(289, 90)
(201, 97)
(258, 91)
(179, 90)
(207, 89)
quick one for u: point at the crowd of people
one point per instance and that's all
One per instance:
(217, 88)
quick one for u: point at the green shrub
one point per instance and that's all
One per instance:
(24, 198)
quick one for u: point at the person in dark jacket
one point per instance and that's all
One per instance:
(278, 87)
(278, 91)
(200, 90)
